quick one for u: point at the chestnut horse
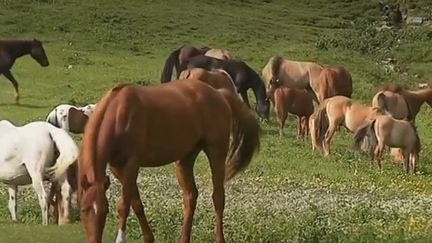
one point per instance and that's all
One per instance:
(337, 111)
(385, 130)
(400, 103)
(294, 101)
(217, 78)
(135, 126)
(182, 54)
(10, 50)
(333, 81)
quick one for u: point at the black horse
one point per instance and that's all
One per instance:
(244, 78)
(10, 50)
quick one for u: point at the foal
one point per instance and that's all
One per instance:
(294, 101)
(337, 111)
(385, 130)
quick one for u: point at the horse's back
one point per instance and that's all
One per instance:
(178, 114)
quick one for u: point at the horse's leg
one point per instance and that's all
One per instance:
(63, 205)
(13, 201)
(216, 156)
(379, 153)
(281, 117)
(406, 160)
(328, 137)
(11, 78)
(130, 196)
(305, 126)
(245, 98)
(38, 186)
(186, 180)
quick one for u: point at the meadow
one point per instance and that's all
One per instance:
(288, 193)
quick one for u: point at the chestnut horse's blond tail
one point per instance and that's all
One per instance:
(366, 131)
(245, 136)
(88, 163)
(321, 123)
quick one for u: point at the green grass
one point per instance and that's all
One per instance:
(288, 194)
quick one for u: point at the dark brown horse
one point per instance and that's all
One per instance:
(136, 126)
(10, 50)
(184, 53)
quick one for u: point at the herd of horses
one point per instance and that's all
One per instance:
(205, 107)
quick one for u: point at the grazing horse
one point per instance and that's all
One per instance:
(70, 118)
(333, 81)
(300, 75)
(385, 130)
(244, 78)
(184, 53)
(135, 126)
(337, 111)
(400, 103)
(28, 156)
(10, 50)
(291, 100)
(217, 78)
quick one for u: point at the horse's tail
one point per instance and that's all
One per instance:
(381, 102)
(88, 156)
(171, 62)
(68, 152)
(365, 131)
(321, 123)
(52, 118)
(275, 65)
(245, 136)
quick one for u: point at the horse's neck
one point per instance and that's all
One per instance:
(417, 98)
(18, 48)
(258, 89)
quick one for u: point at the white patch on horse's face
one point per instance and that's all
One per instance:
(95, 208)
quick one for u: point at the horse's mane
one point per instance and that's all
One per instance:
(392, 88)
(275, 64)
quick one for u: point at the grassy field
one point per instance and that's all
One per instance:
(288, 194)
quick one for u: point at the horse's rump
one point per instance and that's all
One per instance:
(217, 78)
(334, 81)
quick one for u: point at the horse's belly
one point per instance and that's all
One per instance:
(14, 174)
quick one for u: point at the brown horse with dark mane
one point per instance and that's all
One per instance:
(135, 126)
(10, 50)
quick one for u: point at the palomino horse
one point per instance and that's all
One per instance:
(332, 81)
(300, 75)
(291, 100)
(337, 111)
(400, 103)
(244, 78)
(10, 50)
(136, 126)
(70, 118)
(184, 53)
(324, 82)
(385, 130)
(28, 157)
(216, 78)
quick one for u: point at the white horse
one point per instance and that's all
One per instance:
(70, 118)
(28, 156)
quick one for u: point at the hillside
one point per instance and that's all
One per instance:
(288, 193)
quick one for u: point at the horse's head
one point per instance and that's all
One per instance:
(94, 207)
(38, 53)
(263, 109)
